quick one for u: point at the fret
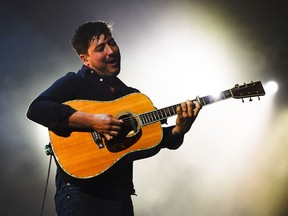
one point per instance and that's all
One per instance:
(158, 116)
(144, 118)
(141, 119)
(202, 101)
(166, 113)
(161, 114)
(147, 118)
(169, 110)
(155, 118)
(206, 100)
(150, 118)
(174, 109)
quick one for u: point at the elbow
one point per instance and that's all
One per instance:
(29, 113)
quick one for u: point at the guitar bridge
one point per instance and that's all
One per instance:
(97, 139)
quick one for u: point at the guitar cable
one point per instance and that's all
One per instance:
(48, 151)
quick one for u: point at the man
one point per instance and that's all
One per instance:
(110, 192)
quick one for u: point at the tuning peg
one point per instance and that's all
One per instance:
(258, 98)
(242, 100)
(250, 99)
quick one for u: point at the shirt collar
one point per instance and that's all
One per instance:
(114, 81)
(85, 70)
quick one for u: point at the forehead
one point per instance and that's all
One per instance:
(96, 40)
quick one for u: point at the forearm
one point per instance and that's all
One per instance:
(107, 125)
(80, 120)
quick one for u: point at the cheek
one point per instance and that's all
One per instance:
(98, 58)
(101, 57)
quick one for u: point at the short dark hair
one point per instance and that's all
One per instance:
(84, 34)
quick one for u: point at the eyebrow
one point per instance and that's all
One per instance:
(96, 40)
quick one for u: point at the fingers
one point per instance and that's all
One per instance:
(114, 126)
(108, 137)
(185, 106)
(106, 124)
(189, 108)
(197, 108)
(114, 129)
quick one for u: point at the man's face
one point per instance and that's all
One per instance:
(103, 56)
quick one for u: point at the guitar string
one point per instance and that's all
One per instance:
(150, 116)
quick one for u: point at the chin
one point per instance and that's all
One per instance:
(114, 73)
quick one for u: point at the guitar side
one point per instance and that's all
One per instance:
(79, 156)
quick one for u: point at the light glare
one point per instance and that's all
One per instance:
(271, 87)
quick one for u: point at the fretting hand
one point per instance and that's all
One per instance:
(186, 114)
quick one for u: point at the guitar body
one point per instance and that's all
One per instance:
(82, 156)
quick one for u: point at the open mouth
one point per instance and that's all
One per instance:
(112, 61)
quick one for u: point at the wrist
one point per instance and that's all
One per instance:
(176, 131)
(79, 120)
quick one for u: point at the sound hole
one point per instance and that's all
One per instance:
(129, 134)
(130, 125)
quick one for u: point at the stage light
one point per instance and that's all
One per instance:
(271, 87)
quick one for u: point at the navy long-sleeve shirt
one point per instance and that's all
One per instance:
(48, 110)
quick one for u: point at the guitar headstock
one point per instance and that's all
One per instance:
(253, 89)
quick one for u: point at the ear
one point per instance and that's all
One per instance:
(83, 57)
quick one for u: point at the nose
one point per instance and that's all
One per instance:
(110, 50)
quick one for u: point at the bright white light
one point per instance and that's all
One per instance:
(216, 96)
(271, 87)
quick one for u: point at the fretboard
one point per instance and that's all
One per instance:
(164, 113)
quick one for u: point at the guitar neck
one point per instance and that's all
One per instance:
(164, 113)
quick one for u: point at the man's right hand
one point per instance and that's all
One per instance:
(106, 125)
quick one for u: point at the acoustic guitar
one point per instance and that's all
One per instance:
(85, 154)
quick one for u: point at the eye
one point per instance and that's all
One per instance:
(112, 42)
(100, 48)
